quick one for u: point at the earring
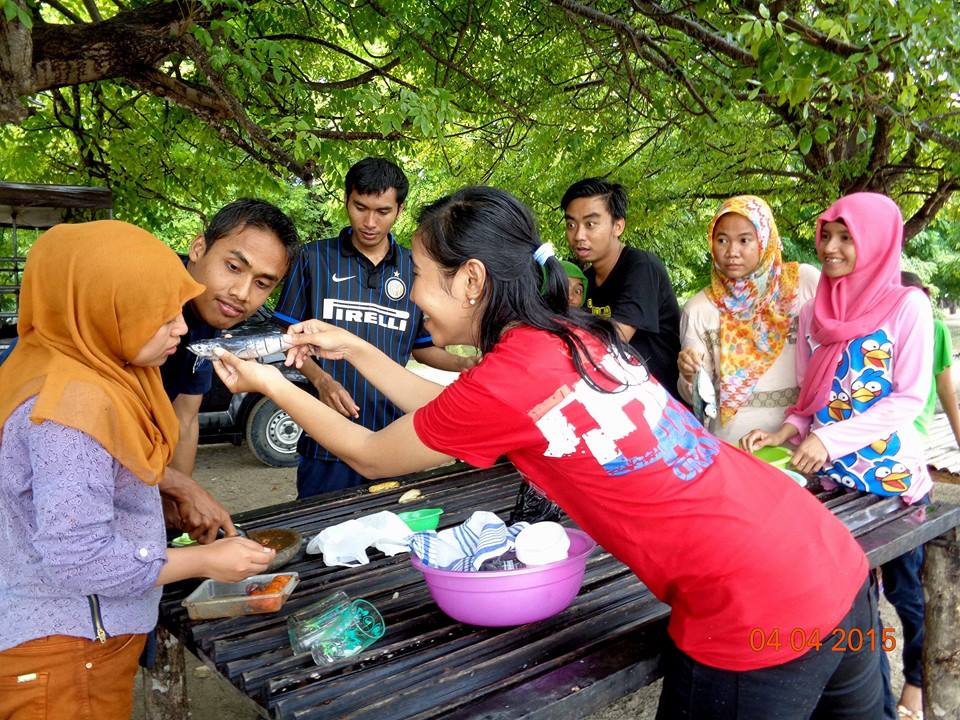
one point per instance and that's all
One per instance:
(473, 301)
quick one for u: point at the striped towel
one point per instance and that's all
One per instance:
(467, 546)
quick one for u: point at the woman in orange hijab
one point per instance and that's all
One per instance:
(86, 431)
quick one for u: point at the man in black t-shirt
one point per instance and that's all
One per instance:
(627, 285)
(240, 258)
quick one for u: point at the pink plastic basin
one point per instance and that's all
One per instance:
(510, 597)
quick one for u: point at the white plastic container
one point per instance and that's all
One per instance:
(214, 599)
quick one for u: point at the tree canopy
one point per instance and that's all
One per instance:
(180, 106)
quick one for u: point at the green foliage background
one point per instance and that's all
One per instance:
(528, 96)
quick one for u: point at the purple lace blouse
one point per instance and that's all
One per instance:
(73, 522)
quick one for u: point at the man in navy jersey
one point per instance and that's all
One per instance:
(359, 280)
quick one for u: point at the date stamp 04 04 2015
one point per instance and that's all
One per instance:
(800, 640)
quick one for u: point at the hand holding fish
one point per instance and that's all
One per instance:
(245, 347)
(315, 337)
(245, 375)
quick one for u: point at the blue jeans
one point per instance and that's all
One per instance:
(903, 589)
(315, 477)
(820, 684)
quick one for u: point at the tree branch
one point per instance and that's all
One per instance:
(931, 206)
(184, 94)
(93, 10)
(88, 52)
(354, 81)
(237, 112)
(640, 41)
(336, 48)
(65, 11)
(696, 31)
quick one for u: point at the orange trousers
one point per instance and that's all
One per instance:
(61, 677)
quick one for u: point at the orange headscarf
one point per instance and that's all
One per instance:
(755, 311)
(93, 294)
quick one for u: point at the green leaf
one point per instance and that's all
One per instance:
(203, 36)
(821, 134)
(25, 18)
(764, 11)
(805, 142)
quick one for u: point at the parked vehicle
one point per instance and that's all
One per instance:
(26, 210)
(270, 433)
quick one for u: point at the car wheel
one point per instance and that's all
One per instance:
(272, 434)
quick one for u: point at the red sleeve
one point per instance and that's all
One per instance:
(469, 422)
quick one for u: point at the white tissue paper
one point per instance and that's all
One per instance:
(346, 543)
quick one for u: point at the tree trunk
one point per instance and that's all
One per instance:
(941, 651)
(16, 67)
(165, 686)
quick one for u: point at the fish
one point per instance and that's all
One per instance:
(246, 347)
(704, 397)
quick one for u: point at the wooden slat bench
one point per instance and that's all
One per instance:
(605, 645)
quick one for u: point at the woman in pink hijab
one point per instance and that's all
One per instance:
(863, 366)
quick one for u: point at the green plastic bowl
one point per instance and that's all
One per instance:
(777, 456)
(183, 541)
(420, 520)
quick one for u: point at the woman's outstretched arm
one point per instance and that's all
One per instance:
(395, 450)
(405, 389)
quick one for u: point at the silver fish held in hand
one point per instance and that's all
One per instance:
(246, 347)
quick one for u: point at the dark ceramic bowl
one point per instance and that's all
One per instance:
(286, 542)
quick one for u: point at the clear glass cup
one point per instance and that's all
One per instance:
(359, 629)
(307, 625)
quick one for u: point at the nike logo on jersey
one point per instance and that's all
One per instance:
(342, 279)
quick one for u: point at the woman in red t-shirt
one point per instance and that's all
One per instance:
(757, 573)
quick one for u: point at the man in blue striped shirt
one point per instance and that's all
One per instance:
(359, 280)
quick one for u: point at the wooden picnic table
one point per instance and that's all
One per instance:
(605, 645)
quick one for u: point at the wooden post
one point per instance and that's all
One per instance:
(941, 650)
(165, 687)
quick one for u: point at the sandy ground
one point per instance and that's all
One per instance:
(242, 483)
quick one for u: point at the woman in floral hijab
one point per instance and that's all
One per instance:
(741, 330)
